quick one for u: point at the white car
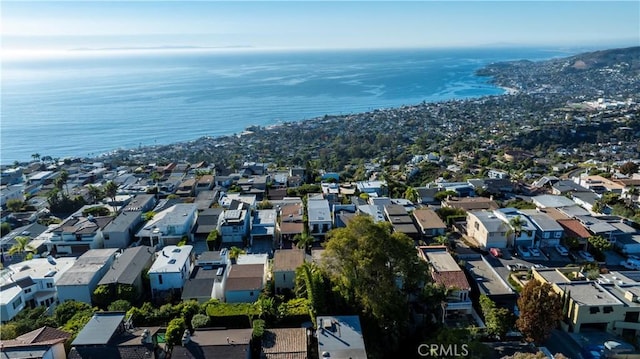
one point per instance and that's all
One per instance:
(586, 256)
(562, 250)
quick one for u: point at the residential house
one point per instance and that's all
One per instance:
(244, 283)
(401, 221)
(608, 304)
(171, 269)
(141, 203)
(343, 213)
(497, 174)
(340, 337)
(486, 229)
(291, 223)
(78, 234)
(285, 263)
(285, 343)
(204, 183)
(42, 343)
(552, 201)
(319, 215)
(598, 184)
(486, 280)
(110, 335)
(527, 229)
(208, 277)
(30, 284)
(128, 267)
(446, 272)
(563, 187)
(9, 240)
(186, 188)
(208, 220)
(470, 203)
(234, 225)
(574, 229)
(587, 200)
(263, 227)
(215, 343)
(373, 188)
(548, 231)
(598, 227)
(426, 195)
(79, 281)
(429, 223)
(170, 226)
(119, 232)
(207, 199)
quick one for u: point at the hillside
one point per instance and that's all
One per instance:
(599, 73)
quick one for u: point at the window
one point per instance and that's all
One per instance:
(557, 235)
(594, 310)
(607, 309)
(49, 285)
(106, 236)
(160, 279)
(251, 294)
(476, 225)
(17, 303)
(28, 290)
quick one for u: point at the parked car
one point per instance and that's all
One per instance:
(562, 250)
(586, 256)
(523, 251)
(517, 267)
(538, 266)
(496, 252)
(534, 251)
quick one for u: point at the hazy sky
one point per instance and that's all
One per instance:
(314, 24)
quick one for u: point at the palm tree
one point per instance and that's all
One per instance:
(234, 253)
(21, 245)
(95, 193)
(411, 194)
(35, 156)
(517, 225)
(304, 241)
(111, 190)
(62, 180)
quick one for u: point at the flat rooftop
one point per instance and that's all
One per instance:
(442, 261)
(341, 337)
(488, 280)
(552, 275)
(590, 293)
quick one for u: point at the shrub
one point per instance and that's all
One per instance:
(175, 330)
(258, 328)
(199, 321)
(119, 305)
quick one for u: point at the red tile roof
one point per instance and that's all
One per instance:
(452, 279)
(574, 228)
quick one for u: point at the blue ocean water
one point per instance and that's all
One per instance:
(89, 104)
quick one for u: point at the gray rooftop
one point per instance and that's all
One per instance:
(128, 265)
(340, 337)
(318, 210)
(547, 200)
(590, 293)
(488, 280)
(100, 329)
(542, 221)
(123, 221)
(86, 267)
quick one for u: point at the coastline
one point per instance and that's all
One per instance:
(465, 86)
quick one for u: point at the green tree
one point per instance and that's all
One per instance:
(119, 305)
(517, 225)
(412, 195)
(199, 321)
(235, 252)
(212, 239)
(35, 156)
(175, 330)
(102, 295)
(366, 259)
(64, 311)
(64, 179)
(540, 311)
(15, 205)
(21, 245)
(442, 195)
(629, 168)
(111, 191)
(95, 193)
(5, 228)
(304, 241)
(498, 320)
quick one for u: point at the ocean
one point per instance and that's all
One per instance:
(97, 101)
